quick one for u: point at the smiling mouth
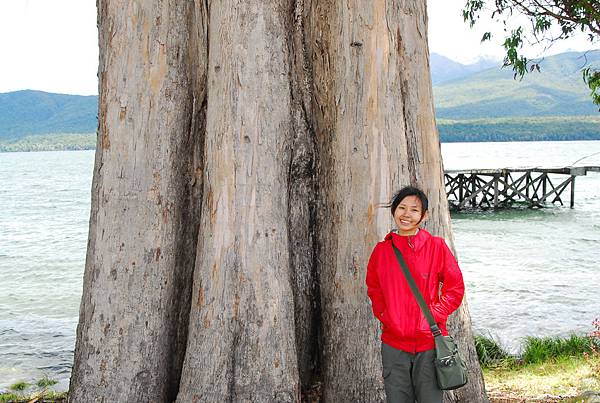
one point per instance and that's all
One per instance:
(404, 222)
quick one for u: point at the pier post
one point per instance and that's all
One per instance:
(496, 180)
(546, 179)
(473, 190)
(461, 189)
(572, 201)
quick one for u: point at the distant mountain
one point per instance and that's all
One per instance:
(558, 90)
(473, 103)
(444, 69)
(29, 112)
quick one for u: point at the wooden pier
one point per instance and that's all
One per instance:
(502, 188)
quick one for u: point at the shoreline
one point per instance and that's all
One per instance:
(84, 142)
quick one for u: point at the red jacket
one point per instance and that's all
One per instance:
(430, 262)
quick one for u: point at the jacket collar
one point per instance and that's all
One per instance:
(418, 240)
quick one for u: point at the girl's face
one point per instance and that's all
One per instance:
(408, 215)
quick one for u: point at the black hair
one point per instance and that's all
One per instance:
(409, 191)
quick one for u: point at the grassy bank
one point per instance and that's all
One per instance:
(548, 369)
(46, 397)
(554, 380)
(37, 392)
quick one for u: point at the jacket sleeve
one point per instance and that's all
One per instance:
(453, 287)
(373, 287)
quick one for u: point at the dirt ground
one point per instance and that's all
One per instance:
(503, 397)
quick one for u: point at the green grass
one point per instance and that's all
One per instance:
(24, 392)
(45, 382)
(19, 386)
(45, 396)
(536, 349)
(489, 351)
(9, 397)
(546, 368)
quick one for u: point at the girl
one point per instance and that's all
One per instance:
(407, 347)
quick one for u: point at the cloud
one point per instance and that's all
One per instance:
(49, 46)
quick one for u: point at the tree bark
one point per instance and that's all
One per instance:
(246, 147)
(241, 344)
(375, 129)
(134, 312)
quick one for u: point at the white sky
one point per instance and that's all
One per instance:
(52, 45)
(450, 36)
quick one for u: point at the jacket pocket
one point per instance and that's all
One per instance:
(392, 328)
(387, 325)
(439, 318)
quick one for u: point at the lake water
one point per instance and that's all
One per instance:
(528, 272)
(532, 271)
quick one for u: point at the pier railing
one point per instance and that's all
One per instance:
(507, 187)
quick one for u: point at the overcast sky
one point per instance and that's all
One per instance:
(52, 45)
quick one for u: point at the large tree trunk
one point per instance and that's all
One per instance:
(375, 128)
(241, 344)
(144, 218)
(246, 146)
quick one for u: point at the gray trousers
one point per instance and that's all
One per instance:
(409, 378)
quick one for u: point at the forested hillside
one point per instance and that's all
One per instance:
(558, 90)
(24, 113)
(476, 102)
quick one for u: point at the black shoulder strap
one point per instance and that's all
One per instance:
(415, 290)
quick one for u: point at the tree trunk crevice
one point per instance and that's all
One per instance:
(302, 203)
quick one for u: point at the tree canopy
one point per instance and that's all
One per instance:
(547, 21)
